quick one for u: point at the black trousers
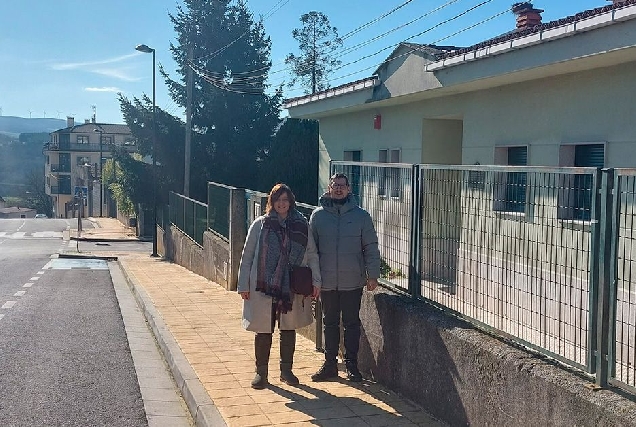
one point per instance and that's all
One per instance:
(347, 305)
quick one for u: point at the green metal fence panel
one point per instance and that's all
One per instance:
(189, 216)
(622, 348)
(525, 273)
(200, 222)
(219, 198)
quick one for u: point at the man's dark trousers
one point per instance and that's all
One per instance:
(347, 303)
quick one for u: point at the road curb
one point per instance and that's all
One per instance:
(80, 256)
(104, 239)
(201, 407)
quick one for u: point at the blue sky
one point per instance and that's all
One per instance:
(59, 58)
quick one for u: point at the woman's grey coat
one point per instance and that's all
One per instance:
(257, 311)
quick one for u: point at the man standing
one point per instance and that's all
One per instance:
(349, 259)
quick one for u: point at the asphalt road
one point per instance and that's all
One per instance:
(64, 355)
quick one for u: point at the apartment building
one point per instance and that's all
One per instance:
(73, 167)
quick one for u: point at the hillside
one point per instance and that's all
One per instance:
(14, 126)
(20, 159)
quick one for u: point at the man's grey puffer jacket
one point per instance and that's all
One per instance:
(347, 244)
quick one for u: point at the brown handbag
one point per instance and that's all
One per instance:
(301, 280)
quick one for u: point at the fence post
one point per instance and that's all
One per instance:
(415, 281)
(237, 234)
(605, 266)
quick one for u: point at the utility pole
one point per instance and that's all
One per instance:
(188, 130)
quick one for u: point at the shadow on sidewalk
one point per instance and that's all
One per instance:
(370, 407)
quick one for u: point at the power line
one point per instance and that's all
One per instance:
(237, 76)
(243, 82)
(413, 50)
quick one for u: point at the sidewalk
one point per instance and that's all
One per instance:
(198, 326)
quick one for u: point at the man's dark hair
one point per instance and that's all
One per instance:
(338, 175)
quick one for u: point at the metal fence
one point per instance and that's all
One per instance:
(542, 256)
(219, 197)
(189, 216)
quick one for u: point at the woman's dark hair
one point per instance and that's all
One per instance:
(275, 193)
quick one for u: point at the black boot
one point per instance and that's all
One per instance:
(328, 370)
(262, 346)
(353, 374)
(287, 347)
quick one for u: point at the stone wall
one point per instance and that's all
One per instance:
(466, 377)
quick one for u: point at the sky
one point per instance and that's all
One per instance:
(65, 57)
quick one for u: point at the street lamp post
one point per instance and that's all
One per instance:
(101, 172)
(145, 49)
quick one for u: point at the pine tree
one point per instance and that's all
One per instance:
(233, 119)
(318, 41)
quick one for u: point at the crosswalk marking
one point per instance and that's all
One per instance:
(34, 235)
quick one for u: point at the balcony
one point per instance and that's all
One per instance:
(64, 189)
(92, 147)
(64, 167)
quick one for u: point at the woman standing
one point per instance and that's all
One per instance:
(275, 242)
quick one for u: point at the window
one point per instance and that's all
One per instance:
(106, 140)
(354, 176)
(510, 187)
(82, 139)
(575, 197)
(130, 141)
(389, 177)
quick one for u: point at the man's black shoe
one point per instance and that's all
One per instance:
(353, 374)
(326, 372)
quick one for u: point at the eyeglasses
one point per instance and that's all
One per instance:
(336, 186)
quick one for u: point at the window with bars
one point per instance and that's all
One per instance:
(82, 139)
(510, 187)
(389, 184)
(354, 178)
(577, 191)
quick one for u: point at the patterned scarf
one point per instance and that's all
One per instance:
(282, 244)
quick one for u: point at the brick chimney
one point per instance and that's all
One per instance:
(70, 121)
(527, 15)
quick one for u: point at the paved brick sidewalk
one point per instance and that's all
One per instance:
(205, 321)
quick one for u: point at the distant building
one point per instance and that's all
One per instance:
(15, 212)
(73, 165)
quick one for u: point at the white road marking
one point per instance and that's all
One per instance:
(3, 233)
(1, 316)
(27, 285)
(40, 272)
(8, 304)
(34, 278)
(19, 293)
(18, 235)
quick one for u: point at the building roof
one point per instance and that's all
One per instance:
(90, 127)
(518, 33)
(440, 53)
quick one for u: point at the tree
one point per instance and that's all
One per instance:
(233, 119)
(318, 42)
(295, 144)
(169, 149)
(36, 196)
